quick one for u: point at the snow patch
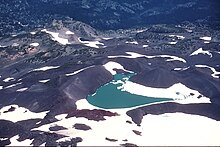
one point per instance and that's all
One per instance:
(180, 69)
(46, 68)
(178, 92)
(178, 36)
(78, 71)
(61, 116)
(201, 51)
(140, 31)
(33, 33)
(188, 30)
(69, 33)
(106, 38)
(137, 55)
(56, 37)
(215, 73)
(13, 85)
(15, 44)
(110, 66)
(22, 89)
(196, 130)
(206, 38)
(8, 79)
(14, 141)
(20, 113)
(132, 42)
(93, 44)
(3, 139)
(2, 46)
(34, 44)
(152, 127)
(44, 81)
(172, 43)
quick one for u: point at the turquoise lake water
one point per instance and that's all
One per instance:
(109, 97)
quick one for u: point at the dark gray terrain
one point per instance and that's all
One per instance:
(151, 28)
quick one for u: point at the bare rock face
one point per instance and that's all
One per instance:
(96, 114)
(210, 110)
(81, 127)
(76, 88)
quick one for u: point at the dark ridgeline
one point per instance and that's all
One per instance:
(111, 14)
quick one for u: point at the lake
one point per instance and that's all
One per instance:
(111, 95)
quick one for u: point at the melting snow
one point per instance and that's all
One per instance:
(33, 33)
(178, 36)
(78, 71)
(61, 116)
(181, 69)
(19, 114)
(174, 42)
(15, 44)
(201, 51)
(2, 139)
(137, 55)
(34, 44)
(184, 130)
(22, 89)
(69, 33)
(177, 91)
(93, 44)
(190, 31)
(152, 127)
(14, 141)
(8, 79)
(215, 73)
(110, 66)
(13, 85)
(140, 31)
(46, 68)
(2, 46)
(44, 81)
(105, 38)
(206, 38)
(132, 42)
(56, 37)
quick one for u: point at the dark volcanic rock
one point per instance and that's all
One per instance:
(203, 109)
(9, 129)
(129, 122)
(109, 139)
(129, 145)
(81, 127)
(10, 109)
(57, 128)
(80, 85)
(30, 123)
(137, 132)
(159, 77)
(95, 114)
(51, 138)
(72, 143)
(4, 142)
